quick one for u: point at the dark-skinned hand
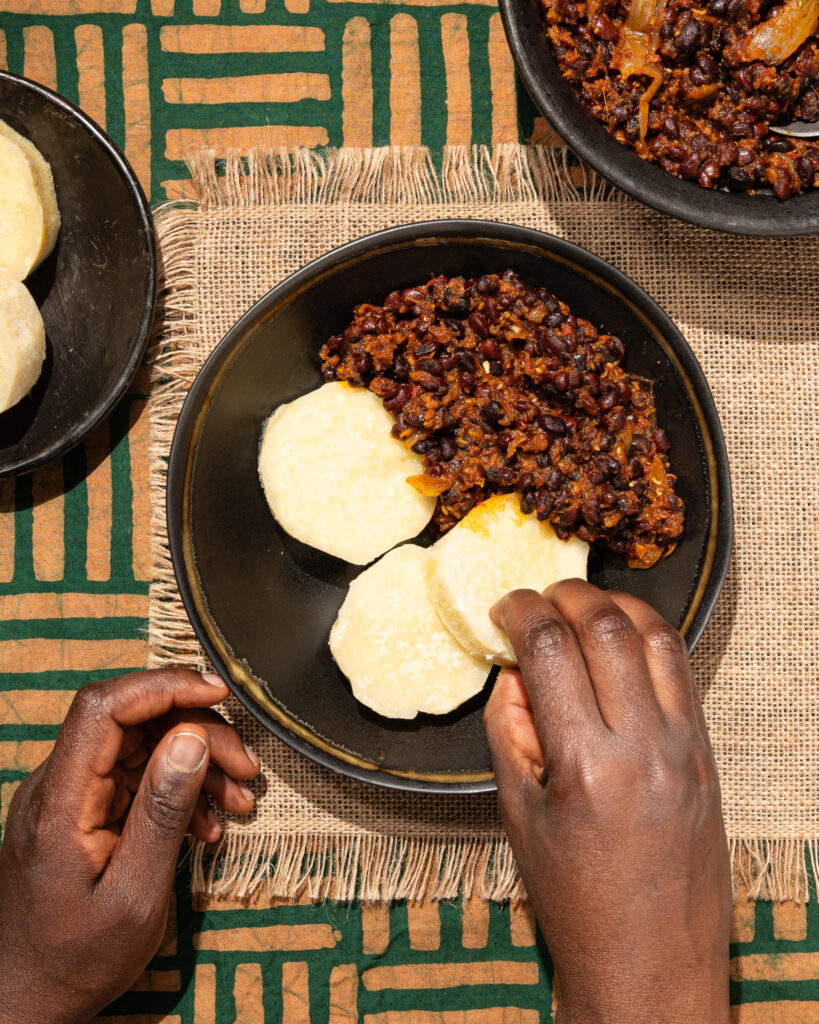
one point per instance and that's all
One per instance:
(92, 838)
(610, 797)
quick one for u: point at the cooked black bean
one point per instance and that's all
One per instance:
(501, 400)
(493, 412)
(554, 424)
(478, 324)
(363, 363)
(486, 285)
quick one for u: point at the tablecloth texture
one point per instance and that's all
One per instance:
(163, 77)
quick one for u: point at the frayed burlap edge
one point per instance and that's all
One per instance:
(371, 868)
(394, 175)
(776, 869)
(384, 868)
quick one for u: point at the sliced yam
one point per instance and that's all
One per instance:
(495, 549)
(22, 215)
(336, 479)
(22, 341)
(392, 646)
(44, 182)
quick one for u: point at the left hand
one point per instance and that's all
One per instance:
(93, 835)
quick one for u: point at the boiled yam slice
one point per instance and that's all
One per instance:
(44, 183)
(495, 549)
(334, 477)
(24, 228)
(22, 341)
(392, 646)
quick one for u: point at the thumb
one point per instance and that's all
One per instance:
(162, 807)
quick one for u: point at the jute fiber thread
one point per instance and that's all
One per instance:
(748, 308)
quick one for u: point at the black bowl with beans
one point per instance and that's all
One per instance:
(262, 604)
(710, 194)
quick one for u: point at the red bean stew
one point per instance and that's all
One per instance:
(501, 388)
(694, 87)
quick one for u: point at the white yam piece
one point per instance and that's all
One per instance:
(392, 646)
(22, 341)
(22, 217)
(336, 479)
(44, 182)
(495, 549)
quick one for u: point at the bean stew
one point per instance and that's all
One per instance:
(502, 388)
(696, 87)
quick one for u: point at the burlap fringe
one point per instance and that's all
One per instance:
(776, 869)
(372, 867)
(383, 868)
(171, 640)
(369, 868)
(393, 174)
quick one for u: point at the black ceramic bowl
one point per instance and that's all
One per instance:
(262, 604)
(553, 96)
(96, 291)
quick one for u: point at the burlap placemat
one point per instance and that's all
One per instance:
(749, 310)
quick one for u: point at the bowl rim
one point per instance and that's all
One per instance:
(730, 212)
(185, 442)
(136, 353)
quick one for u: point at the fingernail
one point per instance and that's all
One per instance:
(213, 679)
(254, 757)
(247, 793)
(186, 752)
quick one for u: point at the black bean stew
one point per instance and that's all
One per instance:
(501, 388)
(695, 87)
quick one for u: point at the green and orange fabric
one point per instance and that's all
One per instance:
(165, 77)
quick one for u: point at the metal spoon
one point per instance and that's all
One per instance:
(798, 129)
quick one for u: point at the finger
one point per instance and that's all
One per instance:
(554, 672)
(231, 796)
(133, 740)
(119, 805)
(160, 813)
(666, 656)
(226, 747)
(613, 654)
(136, 759)
(517, 753)
(91, 738)
(204, 824)
(120, 796)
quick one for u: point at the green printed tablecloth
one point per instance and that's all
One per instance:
(166, 77)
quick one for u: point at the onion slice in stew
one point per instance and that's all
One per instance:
(431, 486)
(644, 16)
(636, 52)
(781, 35)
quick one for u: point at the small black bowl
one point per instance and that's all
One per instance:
(262, 604)
(96, 291)
(734, 212)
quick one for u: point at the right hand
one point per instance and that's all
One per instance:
(609, 794)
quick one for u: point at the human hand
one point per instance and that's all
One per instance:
(92, 838)
(609, 794)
